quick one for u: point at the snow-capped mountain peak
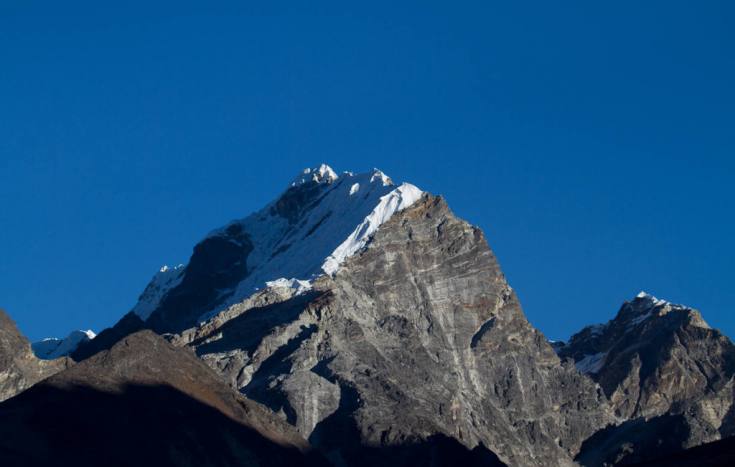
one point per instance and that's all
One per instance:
(643, 314)
(319, 221)
(52, 347)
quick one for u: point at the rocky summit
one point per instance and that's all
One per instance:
(667, 375)
(364, 323)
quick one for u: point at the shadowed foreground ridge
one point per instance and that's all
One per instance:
(140, 425)
(143, 401)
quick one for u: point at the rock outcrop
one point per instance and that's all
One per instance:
(417, 335)
(19, 367)
(667, 374)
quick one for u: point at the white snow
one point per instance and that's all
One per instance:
(165, 279)
(650, 298)
(397, 200)
(351, 208)
(301, 286)
(321, 174)
(658, 302)
(52, 347)
(338, 226)
(591, 364)
(651, 307)
(379, 175)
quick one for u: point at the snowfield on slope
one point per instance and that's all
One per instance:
(53, 347)
(350, 209)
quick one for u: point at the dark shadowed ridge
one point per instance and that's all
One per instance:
(127, 325)
(717, 454)
(143, 402)
(139, 425)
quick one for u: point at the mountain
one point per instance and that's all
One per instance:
(143, 402)
(52, 347)
(19, 367)
(667, 374)
(309, 230)
(367, 314)
(367, 322)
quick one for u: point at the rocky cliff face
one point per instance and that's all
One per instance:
(417, 335)
(19, 367)
(667, 374)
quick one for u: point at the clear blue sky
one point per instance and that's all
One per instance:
(594, 144)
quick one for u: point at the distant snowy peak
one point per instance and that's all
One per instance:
(635, 313)
(642, 316)
(646, 306)
(637, 318)
(52, 347)
(319, 221)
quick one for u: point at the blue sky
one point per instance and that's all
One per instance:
(594, 144)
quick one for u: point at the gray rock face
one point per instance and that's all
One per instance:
(19, 367)
(417, 335)
(664, 371)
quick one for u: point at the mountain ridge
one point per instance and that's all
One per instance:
(375, 324)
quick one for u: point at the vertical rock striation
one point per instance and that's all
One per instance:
(417, 335)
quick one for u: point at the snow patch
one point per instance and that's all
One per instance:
(649, 306)
(395, 201)
(380, 176)
(591, 364)
(165, 279)
(321, 174)
(657, 302)
(354, 188)
(300, 286)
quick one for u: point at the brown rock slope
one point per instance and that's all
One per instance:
(668, 375)
(143, 402)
